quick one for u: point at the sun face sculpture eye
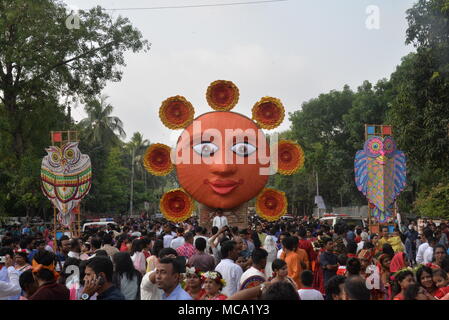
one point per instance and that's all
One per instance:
(243, 149)
(205, 149)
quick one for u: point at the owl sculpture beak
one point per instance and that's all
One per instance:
(382, 159)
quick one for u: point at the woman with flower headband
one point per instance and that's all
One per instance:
(193, 283)
(213, 283)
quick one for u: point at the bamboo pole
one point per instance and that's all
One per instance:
(54, 229)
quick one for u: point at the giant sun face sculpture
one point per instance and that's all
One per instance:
(222, 158)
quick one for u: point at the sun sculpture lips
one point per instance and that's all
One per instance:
(229, 185)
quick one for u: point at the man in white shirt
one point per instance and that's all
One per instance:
(230, 271)
(255, 275)
(148, 287)
(424, 246)
(179, 240)
(169, 235)
(136, 232)
(428, 254)
(220, 220)
(9, 288)
(360, 245)
(307, 292)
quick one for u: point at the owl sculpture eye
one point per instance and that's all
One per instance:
(389, 146)
(373, 146)
(69, 154)
(55, 157)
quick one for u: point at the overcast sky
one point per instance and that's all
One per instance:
(293, 50)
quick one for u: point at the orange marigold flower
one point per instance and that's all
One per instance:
(222, 95)
(157, 159)
(290, 157)
(176, 205)
(176, 112)
(268, 112)
(271, 204)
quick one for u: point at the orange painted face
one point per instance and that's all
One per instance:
(222, 159)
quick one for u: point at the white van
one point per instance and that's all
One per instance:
(97, 224)
(333, 219)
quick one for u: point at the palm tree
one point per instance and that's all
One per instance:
(100, 127)
(137, 147)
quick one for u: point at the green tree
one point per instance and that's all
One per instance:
(41, 64)
(100, 128)
(419, 110)
(433, 202)
(114, 184)
(421, 96)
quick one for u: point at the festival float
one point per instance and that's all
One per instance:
(380, 174)
(66, 177)
(222, 158)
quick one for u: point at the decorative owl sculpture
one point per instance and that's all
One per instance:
(380, 174)
(66, 176)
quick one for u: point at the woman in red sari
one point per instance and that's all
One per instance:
(398, 262)
(318, 276)
(383, 268)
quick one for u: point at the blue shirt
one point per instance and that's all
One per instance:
(350, 236)
(113, 293)
(327, 258)
(31, 255)
(177, 294)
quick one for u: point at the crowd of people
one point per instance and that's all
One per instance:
(299, 259)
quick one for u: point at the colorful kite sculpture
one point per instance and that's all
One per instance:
(222, 158)
(380, 174)
(66, 176)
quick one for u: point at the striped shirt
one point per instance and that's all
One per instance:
(186, 250)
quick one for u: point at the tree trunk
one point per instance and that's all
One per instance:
(10, 102)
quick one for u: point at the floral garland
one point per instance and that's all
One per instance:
(193, 270)
(394, 276)
(214, 276)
